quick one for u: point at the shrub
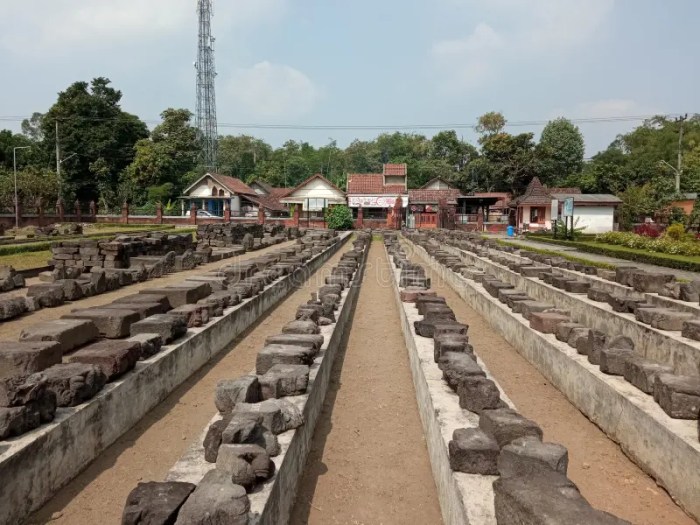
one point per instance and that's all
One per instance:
(647, 230)
(339, 217)
(675, 232)
(664, 244)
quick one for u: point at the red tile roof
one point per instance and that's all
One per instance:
(280, 192)
(268, 202)
(234, 184)
(395, 169)
(536, 194)
(503, 198)
(371, 184)
(421, 196)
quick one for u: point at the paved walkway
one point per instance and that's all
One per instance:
(368, 461)
(568, 250)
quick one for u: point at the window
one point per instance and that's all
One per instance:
(537, 215)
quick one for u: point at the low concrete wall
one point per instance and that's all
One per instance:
(272, 502)
(665, 448)
(39, 463)
(659, 345)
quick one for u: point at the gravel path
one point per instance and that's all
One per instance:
(368, 461)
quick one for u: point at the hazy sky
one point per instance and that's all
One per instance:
(364, 63)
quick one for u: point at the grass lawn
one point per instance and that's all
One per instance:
(554, 253)
(24, 261)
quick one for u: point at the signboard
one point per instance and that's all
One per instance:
(555, 209)
(568, 210)
(374, 201)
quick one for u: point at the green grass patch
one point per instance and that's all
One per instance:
(25, 261)
(553, 253)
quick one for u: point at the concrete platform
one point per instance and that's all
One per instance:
(40, 462)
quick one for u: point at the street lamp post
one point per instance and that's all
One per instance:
(59, 162)
(14, 163)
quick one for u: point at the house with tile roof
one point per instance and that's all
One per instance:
(376, 193)
(215, 193)
(313, 197)
(595, 212)
(423, 202)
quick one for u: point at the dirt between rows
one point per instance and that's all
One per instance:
(149, 449)
(11, 329)
(368, 461)
(606, 477)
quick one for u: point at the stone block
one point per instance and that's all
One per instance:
(242, 430)
(16, 421)
(213, 438)
(71, 289)
(168, 327)
(27, 357)
(545, 498)
(72, 383)
(301, 327)
(145, 298)
(247, 464)
(577, 286)
(48, 295)
(506, 425)
(150, 344)
(642, 373)
(528, 455)
(193, 315)
(311, 341)
(564, 330)
(671, 320)
(114, 358)
(650, 282)
(410, 294)
(613, 361)
(472, 451)
(578, 338)
(284, 380)
(534, 271)
(230, 392)
(276, 415)
(156, 502)
(183, 294)
(546, 322)
(215, 501)
(678, 396)
(112, 323)
(143, 309)
(477, 393)
(691, 330)
(68, 333)
(493, 287)
(560, 281)
(598, 294)
(425, 301)
(278, 354)
(458, 343)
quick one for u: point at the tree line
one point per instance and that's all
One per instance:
(110, 156)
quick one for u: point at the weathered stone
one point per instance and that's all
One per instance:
(546, 322)
(145, 298)
(670, 320)
(678, 396)
(182, 294)
(150, 344)
(243, 430)
(527, 455)
(578, 338)
(458, 343)
(276, 354)
(72, 383)
(311, 341)
(691, 330)
(71, 289)
(614, 360)
(477, 393)
(27, 357)
(68, 333)
(577, 286)
(114, 358)
(650, 282)
(143, 309)
(215, 501)
(230, 392)
(596, 342)
(492, 287)
(14, 307)
(472, 451)
(168, 327)
(193, 315)
(301, 327)
(15, 421)
(598, 294)
(48, 295)
(545, 498)
(642, 373)
(277, 415)
(409, 295)
(112, 323)
(155, 502)
(506, 425)
(425, 301)
(230, 457)
(284, 380)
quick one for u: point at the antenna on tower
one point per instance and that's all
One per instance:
(206, 73)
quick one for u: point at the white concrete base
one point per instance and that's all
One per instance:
(34, 466)
(464, 498)
(665, 448)
(271, 503)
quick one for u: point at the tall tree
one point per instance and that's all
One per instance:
(560, 152)
(239, 155)
(91, 127)
(490, 123)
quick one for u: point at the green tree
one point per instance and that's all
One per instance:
(339, 217)
(490, 123)
(92, 126)
(508, 162)
(560, 152)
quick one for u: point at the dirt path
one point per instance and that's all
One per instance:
(368, 461)
(606, 477)
(152, 446)
(11, 329)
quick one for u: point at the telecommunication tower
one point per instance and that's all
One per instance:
(206, 74)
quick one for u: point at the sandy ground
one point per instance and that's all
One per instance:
(605, 476)
(156, 443)
(11, 329)
(368, 462)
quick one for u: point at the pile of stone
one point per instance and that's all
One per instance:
(254, 410)
(10, 279)
(532, 484)
(678, 395)
(231, 234)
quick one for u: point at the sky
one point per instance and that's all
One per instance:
(380, 64)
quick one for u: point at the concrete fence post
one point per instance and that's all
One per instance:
(125, 213)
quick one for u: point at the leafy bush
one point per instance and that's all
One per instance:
(339, 217)
(676, 232)
(677, 216)
(663, 244)
(647, 230)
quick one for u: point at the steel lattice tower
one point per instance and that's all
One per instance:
(206, 74)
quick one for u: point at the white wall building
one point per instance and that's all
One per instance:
(596, 212)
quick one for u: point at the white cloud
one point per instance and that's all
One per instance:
(524, 30)
(269, 91)
(35, 27)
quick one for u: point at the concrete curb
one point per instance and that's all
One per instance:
(273, 501)
(464, 498)
(40, 462)
(665, 448)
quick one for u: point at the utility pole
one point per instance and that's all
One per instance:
(679, 170)
(206, 73)
(58, 161)
(14, 164)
